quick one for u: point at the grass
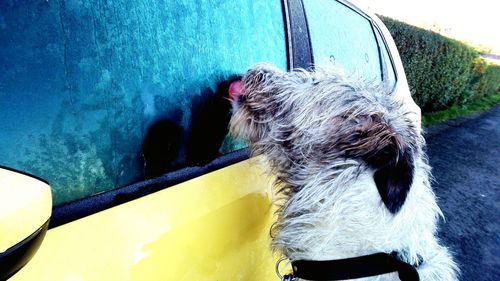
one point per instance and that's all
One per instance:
(479, 105)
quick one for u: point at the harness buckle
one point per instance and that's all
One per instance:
(286, 277)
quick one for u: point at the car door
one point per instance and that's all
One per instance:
(113, 102)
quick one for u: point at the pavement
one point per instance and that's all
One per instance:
(465, 156)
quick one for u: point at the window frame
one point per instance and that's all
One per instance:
(300, 47)
(381, 46)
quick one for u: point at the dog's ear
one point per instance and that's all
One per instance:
(393, 181)
(370, 138)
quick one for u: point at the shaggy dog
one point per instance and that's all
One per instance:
(351, 172)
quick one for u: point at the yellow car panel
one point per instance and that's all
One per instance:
(25, 205)
(214, 227)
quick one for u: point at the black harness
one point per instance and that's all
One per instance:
(351, 268)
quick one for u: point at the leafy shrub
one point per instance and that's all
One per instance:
(485, 78)
(439, 69)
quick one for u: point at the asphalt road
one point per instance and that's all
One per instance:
(465, 156)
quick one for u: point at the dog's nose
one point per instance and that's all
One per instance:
(235, 90)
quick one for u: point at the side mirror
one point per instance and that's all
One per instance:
(25, 210)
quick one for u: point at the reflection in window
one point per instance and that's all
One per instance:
(100, 95)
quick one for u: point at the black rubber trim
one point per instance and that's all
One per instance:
(377, 29)
(301, 41)
(78, 209)
(16, 257)
(379, 50)
(288, 34)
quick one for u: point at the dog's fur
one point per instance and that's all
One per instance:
(350, 168)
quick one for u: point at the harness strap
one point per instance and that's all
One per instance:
(351, 268)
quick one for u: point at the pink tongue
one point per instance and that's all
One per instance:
(235, 89)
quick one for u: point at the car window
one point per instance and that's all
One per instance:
(341, 36)
(98, 95)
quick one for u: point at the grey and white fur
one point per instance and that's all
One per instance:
(352, 178)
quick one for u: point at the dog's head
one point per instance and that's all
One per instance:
(308, 123)
(253, 99)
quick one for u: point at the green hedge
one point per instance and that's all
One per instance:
(485, 79)
(441, 72)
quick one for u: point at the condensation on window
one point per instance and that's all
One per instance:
(342, 38)
(97, 95)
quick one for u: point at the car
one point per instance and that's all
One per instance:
(121, 107)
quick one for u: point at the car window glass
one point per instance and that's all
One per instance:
(341, 36)
(98, 95)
